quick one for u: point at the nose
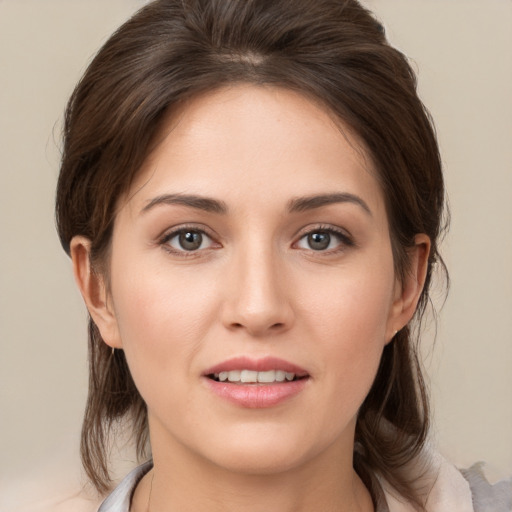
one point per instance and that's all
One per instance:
(257, 296)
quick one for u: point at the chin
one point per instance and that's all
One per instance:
(264, 453)
(260, 462)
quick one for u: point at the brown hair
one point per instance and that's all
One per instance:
(331, 50)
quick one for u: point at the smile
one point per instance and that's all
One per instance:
(256, 383)
(253, 377)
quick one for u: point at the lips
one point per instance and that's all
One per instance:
(256, 383)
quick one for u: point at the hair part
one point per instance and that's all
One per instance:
(333, 51)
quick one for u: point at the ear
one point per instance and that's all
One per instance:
(408, 290)
(94, 291)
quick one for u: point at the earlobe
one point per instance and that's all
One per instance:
(94, 291)
(408, 290)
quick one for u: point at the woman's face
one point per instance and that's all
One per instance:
(253, 246)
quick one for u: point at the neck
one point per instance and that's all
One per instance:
(330, 486)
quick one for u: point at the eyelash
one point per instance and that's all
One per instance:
(345, 240)
(167, 237)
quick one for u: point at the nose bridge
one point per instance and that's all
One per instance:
(257, 299)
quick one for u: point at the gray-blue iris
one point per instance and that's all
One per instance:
(190, 240)
(319, 241)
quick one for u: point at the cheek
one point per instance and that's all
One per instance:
(162, 316)
(350, 319)
(353, 306)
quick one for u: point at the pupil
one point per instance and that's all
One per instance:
(319, 241)
(190, 240)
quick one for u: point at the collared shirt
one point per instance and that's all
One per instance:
(453, 491)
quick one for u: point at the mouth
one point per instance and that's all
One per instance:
(255, 377)
(256, 383)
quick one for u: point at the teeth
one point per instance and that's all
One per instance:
(234, 376)
(280, 375)
(251, 377)
(269, 376)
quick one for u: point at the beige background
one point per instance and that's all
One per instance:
(463, 53)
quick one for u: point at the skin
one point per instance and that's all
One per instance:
(256, 288)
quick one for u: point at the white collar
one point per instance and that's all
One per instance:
(450, 492)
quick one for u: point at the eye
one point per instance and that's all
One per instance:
(319, 241)
(324, 240)
(187, 240)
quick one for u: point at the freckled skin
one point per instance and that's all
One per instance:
(254, 287)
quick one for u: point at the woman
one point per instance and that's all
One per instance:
(251, 194)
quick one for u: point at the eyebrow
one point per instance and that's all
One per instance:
(302, 204)
(299, 204)
(206, 204)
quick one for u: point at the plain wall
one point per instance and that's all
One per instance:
(463, 53)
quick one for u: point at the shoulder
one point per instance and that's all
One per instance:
(454, 490)
(119, 500)
(450, 491)
(486, 496)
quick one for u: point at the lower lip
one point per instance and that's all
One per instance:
(257, 396)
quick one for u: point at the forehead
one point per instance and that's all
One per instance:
(253, 139)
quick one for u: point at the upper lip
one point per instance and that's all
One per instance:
(258, 365)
